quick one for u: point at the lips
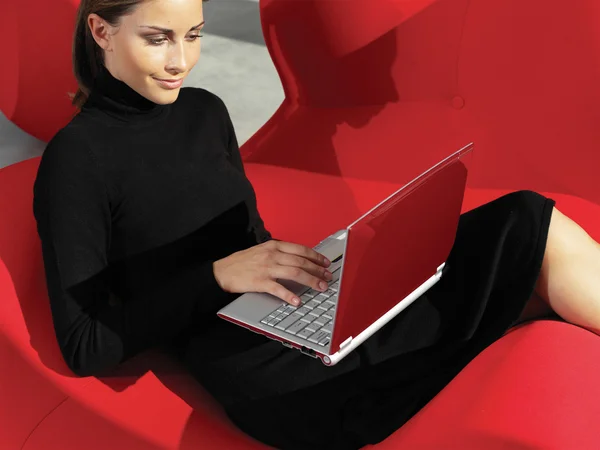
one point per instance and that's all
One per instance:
(170, 84)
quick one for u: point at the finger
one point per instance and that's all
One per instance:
(302, 250)
(277, 290)
(287, 259)
(299, 276)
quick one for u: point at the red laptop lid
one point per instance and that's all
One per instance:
(399, 244)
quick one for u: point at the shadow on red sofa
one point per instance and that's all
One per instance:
(421, 78)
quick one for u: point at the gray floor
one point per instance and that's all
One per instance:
(234, 64)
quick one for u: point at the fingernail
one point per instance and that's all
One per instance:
(296, 301)
(323, 285)
(327, 261)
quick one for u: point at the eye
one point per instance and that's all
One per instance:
(162, 40)
(157, 41)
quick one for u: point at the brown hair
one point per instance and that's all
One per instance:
(87, 56)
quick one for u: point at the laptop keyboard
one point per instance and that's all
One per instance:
(312, 319)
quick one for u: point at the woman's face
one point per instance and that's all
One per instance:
(159, 41)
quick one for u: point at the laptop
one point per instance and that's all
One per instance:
(381, 263)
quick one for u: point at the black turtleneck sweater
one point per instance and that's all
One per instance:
(133, 202)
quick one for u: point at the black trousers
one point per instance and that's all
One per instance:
(290, 401)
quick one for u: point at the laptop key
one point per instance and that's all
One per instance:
(316, 312)
(328, 327)
(289, 309)
(324, 341)
(281, 307)
(268, 318)
(313, 326)
(312, 304)
(274, 321)
(318, 336)
(305, 333)
(321, 297)
(306, 298)
(296, 326)
(289, 320)
(321, 321)
(303, 311)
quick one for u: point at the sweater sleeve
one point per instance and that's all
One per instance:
(96, 331)
(256, 221)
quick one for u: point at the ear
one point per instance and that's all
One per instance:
(100, 31)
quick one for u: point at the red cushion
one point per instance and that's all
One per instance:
(362, 115)
(534, 388)
(36, 75)
(151, 399)
(517, 78)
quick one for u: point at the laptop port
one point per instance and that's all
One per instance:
(337, 259)
(308, 351)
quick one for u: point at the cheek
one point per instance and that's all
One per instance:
(150, 59)
(193, 54)
(143, 59)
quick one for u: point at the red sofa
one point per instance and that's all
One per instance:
(374, 94)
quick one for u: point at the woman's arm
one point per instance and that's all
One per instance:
(95, 330)
(262, 234)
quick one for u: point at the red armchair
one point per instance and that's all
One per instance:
(36, 76)
(373, 96)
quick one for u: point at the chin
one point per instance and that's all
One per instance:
(166, 97)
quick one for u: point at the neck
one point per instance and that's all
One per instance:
(121, 102)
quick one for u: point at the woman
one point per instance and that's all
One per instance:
(149, 225)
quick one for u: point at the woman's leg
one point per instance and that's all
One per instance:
(570, 277)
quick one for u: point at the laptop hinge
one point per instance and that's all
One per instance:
(346, 342)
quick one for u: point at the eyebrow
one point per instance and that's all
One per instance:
(166, 30)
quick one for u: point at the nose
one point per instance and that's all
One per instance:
(177, 60)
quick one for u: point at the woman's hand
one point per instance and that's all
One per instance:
(256, 269)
